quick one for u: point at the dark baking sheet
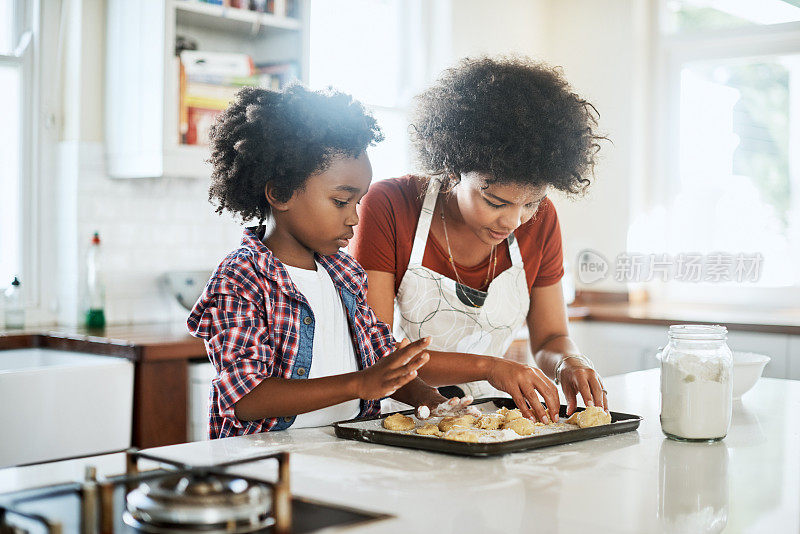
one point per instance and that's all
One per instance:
(620, 422)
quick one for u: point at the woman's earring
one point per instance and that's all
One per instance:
(452, 182)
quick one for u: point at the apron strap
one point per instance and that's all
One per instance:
(424, 223)
(513, 250)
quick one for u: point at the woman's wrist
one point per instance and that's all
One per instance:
(578, 360)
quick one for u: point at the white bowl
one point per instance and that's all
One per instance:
(747, 368)
(185, 286)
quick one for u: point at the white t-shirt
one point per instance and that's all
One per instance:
(332, 352)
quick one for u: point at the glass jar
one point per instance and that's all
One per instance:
(696, 383)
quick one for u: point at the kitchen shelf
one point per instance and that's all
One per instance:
(142, 74)
(231, 19)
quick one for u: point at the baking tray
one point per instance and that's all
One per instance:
(355, 429)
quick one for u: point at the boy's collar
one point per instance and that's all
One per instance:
(344, 271)
(342, 268)
(266, 261)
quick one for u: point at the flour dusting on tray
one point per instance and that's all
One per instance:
(487, 424)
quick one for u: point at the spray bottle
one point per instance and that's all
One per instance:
(95, 285)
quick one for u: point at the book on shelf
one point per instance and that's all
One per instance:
(209, 81)
(276, 76)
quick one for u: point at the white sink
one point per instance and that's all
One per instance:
(60, 404)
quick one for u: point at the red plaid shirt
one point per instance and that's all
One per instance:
(256, 325)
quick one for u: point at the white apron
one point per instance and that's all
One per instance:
(428, 304)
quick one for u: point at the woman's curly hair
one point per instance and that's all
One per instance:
(281, 138)
(512, 118)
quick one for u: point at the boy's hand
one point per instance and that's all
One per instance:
(523, 383)
(393, 371)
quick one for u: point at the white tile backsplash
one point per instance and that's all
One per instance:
(148, 227)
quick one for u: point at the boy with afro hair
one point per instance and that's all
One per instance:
(284, 317)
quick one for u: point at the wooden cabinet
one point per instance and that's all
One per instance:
(142, 126)
(160, 395)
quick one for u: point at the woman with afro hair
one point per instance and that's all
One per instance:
(470, 251)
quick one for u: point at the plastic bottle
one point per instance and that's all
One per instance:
(95, 286)
(14, 310)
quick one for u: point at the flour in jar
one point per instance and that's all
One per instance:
(695, 397)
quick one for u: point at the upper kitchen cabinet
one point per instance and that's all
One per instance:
(158, 107)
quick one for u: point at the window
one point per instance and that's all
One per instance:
(735, 131)
(686, 16)
(729, 181)
(372, 50)
(16, 70)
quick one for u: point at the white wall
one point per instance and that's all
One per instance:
(148, 227)
(600, 44)
(511, 26)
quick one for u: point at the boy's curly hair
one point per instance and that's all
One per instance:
(281, 138)
(512, 118)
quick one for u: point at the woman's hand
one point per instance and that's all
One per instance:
(393, 371)
(523, 382)
(441, 407)
(575, 378)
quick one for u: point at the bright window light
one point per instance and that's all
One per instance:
(699, 15)
(10, 129)
(360, 47)
(355, 47)
(738, 189)
(6, 28)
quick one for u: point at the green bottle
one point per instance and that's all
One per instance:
(95, 314)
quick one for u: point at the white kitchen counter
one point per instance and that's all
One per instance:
(635, 482)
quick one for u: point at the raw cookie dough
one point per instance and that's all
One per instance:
(510, 415)
(463, 434)
(591, 416)
(429, 430)
(522, 426)
(490, 421)
(398, 421)
(463, 421)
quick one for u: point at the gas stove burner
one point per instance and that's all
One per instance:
(181, 499)
(205, 503)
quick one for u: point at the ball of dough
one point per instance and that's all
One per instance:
(591, 416)
(462, 434)
(510, 415)
(429, 430)
(490, 421)
(573, 419)
(522, 426)
(398, 421)
(463, 421)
